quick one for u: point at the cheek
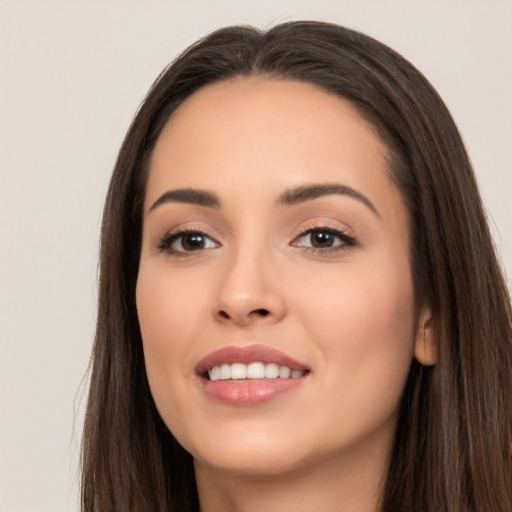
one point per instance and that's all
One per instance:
(363, 325)
(169, 314)
(168, 307)
(360, 302)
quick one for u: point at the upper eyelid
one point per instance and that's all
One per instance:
(189, 227)
(301, 232)
(335, 231)
(327, 225)
(323, 228)
(303, 229)
(178, 233)
(164, 241)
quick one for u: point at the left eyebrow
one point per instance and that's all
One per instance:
(309, 192)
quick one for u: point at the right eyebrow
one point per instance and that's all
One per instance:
(188, 195)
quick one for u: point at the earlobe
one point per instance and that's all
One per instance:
(425, 349)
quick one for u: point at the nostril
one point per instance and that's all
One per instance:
(261, 312)
(244, 317)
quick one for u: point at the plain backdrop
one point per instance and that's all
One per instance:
(71, 77)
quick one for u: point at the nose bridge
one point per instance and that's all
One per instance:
(249, 290)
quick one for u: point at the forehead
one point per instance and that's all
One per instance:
(258, 103)
(251, 131)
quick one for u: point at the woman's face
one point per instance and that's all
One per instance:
(275, 257)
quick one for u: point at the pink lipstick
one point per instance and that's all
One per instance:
(249, 375)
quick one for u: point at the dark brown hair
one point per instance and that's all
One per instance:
(453, 447)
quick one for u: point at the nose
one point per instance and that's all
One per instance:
(249, 292)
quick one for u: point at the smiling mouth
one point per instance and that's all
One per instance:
(236, 372)
(249, 375)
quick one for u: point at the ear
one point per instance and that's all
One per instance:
(425, 349)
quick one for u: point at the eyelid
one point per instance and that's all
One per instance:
(347, 240)
(322, 223)
(164, 242)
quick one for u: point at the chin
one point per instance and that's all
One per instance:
(249, 452)
(251, 463)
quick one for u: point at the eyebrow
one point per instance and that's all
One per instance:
(188, 195)
(309, 192)
(291, 197)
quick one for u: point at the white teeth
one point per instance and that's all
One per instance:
(225, 372)
(238, 371)
(271, 371)
(215, 373)
(256, 370)
(284, 372)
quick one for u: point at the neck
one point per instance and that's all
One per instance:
(340, 483)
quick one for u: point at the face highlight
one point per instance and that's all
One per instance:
(275, 295)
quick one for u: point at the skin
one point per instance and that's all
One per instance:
(348, 312)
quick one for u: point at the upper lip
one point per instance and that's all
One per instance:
(247, 354)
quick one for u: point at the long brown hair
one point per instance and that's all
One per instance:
(453, 447)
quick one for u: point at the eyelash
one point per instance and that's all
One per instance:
(167, 241)
(346, 241)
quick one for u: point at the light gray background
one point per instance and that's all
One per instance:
(71, 76)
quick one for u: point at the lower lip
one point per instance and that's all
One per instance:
(249, 392)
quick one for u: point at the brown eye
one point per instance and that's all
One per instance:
(319, 239)
(322, 239)
(187, 241)
(191, 242)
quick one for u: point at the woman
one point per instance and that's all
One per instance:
(300, 305)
